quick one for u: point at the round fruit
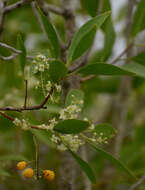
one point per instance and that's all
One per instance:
(28, 173)
(21, 165)
(48, 175)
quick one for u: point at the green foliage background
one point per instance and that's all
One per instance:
(99, 93)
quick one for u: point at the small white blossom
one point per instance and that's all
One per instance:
(24, 125)
(48, 86)
(92, 126)
(58, 87)
(41, 68)
(21, 123)
(17, 122)
(61, 147)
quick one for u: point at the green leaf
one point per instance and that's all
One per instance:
(90, 6)
(109, 38)
(135, 68)
(51, 34)
(139, 19)
(22, 56)
(74, 95)
(104, 69)
(42, 135)
(85, 167)
(12, 157)
(140, 58)
(71, 126)
(84, 37)
(114, 160)
(84, 43)
(105, 130)
(57, 70)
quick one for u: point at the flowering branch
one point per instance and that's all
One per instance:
(37, 107)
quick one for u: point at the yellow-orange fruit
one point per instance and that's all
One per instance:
(21, 165)
(28, 173)
(48, 175)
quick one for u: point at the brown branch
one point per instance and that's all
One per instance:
(26, 93)
(122, 53)
(37, 107)
(12, 119)
(138, 183)
(7, 116)
(15, 6)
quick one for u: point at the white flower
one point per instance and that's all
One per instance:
(92, 126)
(54, 139)
(24, 125)
(21, 123)
(41, 67)
(48, 86)
(58, 87)
(17, 122)
(61, 147)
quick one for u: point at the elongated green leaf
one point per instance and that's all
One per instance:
(140, 58)
(21, 46)
(57, 70)
(84, 43)
(74, 96)
(84, 37)
(114, 161)
(51, 34)
(105, 130)
(85, 167)
(71, 126)
(90, 6)
(139, 18)
(12, 157)
(104, 69)
(135, 68)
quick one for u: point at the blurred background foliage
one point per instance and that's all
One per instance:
(100, 93)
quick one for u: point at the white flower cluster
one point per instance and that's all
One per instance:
(73, 142)
(21, 123)
(51, 125)
(99, 138)
(41, 63)
(72, 111)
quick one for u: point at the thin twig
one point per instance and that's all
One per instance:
(84, 79)
(122, 53)
(12, 119)
(15, 54)
(26, 93)
(54, 9)
(10, 48)
(37, 107)
(15, 6)
(7, 116)
(138, 183)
